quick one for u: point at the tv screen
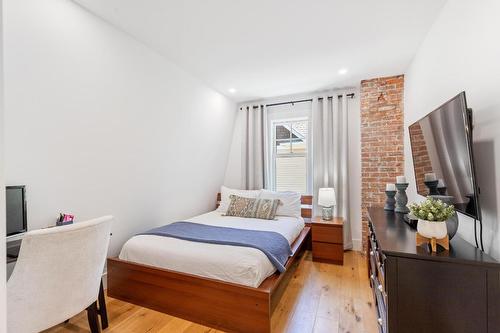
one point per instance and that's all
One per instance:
(441, 144)
(16, 210)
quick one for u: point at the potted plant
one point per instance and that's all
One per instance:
(432, 215)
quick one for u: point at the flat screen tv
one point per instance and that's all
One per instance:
(441, 144)
(15, 198)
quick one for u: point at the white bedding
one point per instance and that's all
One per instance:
(241, 265)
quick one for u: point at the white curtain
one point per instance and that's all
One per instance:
(330, 155)
(254, 150)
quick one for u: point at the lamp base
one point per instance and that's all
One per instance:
(327, 214)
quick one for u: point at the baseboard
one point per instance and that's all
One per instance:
(357, 245)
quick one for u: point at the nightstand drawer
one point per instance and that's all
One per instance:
(327, 234)
(328, 252)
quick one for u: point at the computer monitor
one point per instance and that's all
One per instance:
(16, 210)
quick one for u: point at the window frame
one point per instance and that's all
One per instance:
(286, 114)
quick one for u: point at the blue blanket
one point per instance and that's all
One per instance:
(272, 244)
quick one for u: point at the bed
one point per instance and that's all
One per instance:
(234, 290)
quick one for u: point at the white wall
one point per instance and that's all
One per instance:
(234, 170)
(461, 52)
(97, 123)
(234, 178)
(3, 328)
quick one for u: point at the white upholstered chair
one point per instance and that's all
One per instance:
(57, 275)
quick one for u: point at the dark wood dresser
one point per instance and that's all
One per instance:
(415, 291)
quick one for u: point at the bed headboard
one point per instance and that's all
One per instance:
(306, 201)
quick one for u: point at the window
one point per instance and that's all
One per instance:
(289, 162)
(290, 155)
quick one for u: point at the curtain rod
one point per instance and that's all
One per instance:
(351, 95)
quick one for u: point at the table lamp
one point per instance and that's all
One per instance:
(326, 199)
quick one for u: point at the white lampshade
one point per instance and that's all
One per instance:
(326, 197)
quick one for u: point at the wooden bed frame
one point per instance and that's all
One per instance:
(222, 305)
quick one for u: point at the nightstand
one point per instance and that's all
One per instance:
(328, 240)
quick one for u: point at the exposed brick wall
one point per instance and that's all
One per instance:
(421, 158)
(382, 155)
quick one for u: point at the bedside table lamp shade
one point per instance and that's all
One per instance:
(326, 199)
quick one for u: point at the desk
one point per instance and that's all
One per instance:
(12, 247)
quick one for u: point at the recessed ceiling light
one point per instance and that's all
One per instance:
(343, 71)
(232, 90)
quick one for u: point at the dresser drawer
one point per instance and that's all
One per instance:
(328, 252)
(372, 262)
(377, 265)
(377, 280)
(327, 234)
(381, 304)
(375, 251)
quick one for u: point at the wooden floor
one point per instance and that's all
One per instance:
(319, 298)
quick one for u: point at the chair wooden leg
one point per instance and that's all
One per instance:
(102, 308)
(93, 318)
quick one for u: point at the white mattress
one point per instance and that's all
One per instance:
(241, 265)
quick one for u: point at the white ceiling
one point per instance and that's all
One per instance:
(265, 48)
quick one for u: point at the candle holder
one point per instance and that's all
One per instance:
(442, 190)
(390, 202)
(432, 186)
(401, 198)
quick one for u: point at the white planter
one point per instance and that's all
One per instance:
(431, 229)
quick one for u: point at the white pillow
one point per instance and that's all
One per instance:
(290, 202)
(225, 192)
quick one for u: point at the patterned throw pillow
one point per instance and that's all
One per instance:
(252, 208)
(240, 206)
(266, 208)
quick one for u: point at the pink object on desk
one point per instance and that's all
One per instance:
(68, 217)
